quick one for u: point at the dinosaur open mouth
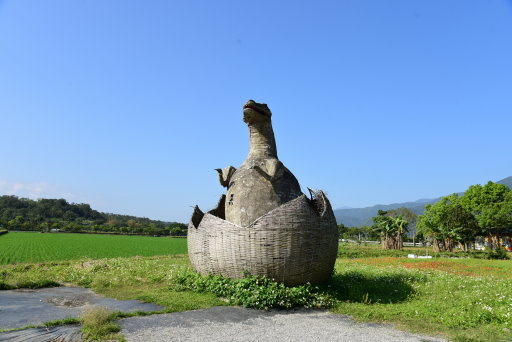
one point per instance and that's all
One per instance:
(256, 109)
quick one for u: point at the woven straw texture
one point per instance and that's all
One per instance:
(295, 243)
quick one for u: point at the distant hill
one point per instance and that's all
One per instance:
(58, 214)
(356, 217)
(507, 181)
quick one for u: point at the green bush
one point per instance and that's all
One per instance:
(254, 291)
(354, 252)
(497, 254)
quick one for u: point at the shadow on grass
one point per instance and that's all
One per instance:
(361, 288)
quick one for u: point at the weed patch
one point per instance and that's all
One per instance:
(254, 292)
(98, 324)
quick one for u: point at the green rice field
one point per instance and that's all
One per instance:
(20, 247)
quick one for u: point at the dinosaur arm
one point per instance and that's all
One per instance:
(228, 172)
(225, 175)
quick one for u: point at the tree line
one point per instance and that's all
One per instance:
(458, 219)
(389, 226)
(455, 220)
(58, 214)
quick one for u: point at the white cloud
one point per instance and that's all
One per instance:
(32, 190)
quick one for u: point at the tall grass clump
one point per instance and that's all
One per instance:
(98, 324)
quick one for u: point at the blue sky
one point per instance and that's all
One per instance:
(130, 105)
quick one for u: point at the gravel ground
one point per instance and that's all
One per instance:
(239, 324)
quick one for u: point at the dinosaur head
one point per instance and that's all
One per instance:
(255, 112)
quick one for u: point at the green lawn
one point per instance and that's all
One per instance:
(432, 297)
(19, 247)
(429, 300)
(461, 299)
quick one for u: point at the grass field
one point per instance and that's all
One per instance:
(19, 247)
(461, 299)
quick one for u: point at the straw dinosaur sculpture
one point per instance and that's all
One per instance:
(262, 182)
(264, 224)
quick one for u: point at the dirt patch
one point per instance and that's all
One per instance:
(447, 265)
(72, 302)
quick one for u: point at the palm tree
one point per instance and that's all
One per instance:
(391, 229)
(401, 228)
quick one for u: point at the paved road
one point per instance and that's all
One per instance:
(239, 324)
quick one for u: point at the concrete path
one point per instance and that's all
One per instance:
(65, 333)
(239, 324)
(19, 308)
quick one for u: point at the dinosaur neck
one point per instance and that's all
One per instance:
(263, 143)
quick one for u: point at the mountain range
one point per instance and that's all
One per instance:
(356, 217)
